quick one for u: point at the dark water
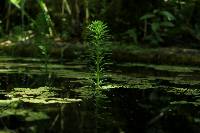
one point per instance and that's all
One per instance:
(145, 106)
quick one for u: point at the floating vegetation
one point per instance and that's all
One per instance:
(168, 68)
(188, 82)
(185, 91)
(14, 102)
(183, 102)
(43, 95)
(43, 92)
(133, 82)
(141, 84)
(110, 86)
(50, 100)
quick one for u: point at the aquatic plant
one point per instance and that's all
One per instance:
(43, 95)
(44, 47)
(98, 37)
(185, 91)
(43, 39)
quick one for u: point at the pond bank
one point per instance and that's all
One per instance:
(120, 53)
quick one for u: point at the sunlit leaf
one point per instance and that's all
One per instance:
(168, 15)
(16, 3)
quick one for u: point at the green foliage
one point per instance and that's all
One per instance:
(16, 3)
(98, 38)
(196, 31)
(156, 25)
(44, 44)
(40, 26)
(42, 40)
(17, 33)
(133, 34)
(20, 5)
(1, 29)
(46, 16)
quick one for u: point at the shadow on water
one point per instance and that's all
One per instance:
(150, 111)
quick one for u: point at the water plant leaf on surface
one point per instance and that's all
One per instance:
(14, 102)
(28, 92)
(133, 82)
(185, 91)
(43, 95)
(111, 86)
(50, 100)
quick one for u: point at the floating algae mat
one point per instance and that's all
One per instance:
(15, 107)
(44, 95)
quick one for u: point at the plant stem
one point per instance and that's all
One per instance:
(46, 64)
(98, 71)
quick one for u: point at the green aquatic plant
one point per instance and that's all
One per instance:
(43, 39)
(44, 46)
(42, 95)
(98, 38)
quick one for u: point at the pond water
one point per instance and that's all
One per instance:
(136, 98)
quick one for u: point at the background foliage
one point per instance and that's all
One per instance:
(68, 19)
